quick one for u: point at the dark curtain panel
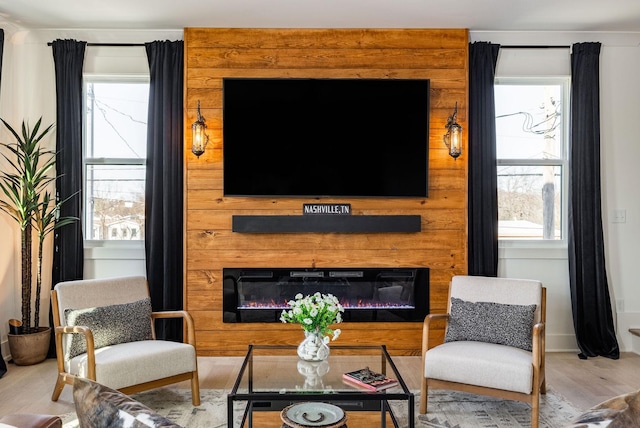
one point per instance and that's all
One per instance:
(68, 56)
(3, 365)
(68, 250)
(591, 305)
(483, 186)
(163, 193)
(1, 53)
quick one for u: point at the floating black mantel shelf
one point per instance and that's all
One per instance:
(325, 223)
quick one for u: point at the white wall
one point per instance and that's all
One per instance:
(620, 99)
(28, 91)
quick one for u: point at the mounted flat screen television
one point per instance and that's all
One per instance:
(325, 137)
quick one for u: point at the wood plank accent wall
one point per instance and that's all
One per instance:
(440, 55)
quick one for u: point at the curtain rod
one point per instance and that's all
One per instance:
(535, 47)
(501, 47)
(110, 44)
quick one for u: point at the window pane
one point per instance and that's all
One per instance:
(115, 202)
(116, 118)
(529, 121)
(115, 155)
(529, 202)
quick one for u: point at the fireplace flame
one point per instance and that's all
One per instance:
(347, 304)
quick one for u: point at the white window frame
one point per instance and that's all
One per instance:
(559, 244)
(106, 248)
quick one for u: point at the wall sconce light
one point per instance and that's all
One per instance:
(200, 138)
(453, 137)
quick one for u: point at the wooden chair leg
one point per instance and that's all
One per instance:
(424, 392)
(535, 410)
(57, 390)
(195, 389)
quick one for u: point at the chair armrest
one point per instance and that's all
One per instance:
(538, 343)
(426, 329)
(186, 316)
(60, 331)
(537, 355)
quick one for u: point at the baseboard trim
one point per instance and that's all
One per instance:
(561, 343)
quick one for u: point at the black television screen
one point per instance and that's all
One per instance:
(325, 137)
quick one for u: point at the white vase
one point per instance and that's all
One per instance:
(313, 347)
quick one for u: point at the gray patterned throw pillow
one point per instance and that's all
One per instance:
(98, 406)
(110, 325)
(489, 322)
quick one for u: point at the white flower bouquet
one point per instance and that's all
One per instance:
(315, 314)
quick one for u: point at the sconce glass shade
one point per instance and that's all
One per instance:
(453, 137)
(453, 140)
(200, 138)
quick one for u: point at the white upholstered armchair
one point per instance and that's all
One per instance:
(494, 341)
(104, 331)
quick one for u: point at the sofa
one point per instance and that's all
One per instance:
(30, 420)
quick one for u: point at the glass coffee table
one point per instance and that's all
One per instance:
(272, 378)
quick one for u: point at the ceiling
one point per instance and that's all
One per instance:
(476, 15)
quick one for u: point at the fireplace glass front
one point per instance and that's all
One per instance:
(367, 294)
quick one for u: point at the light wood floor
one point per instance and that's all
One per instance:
(585, 383)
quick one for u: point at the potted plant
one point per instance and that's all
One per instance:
(27, 200)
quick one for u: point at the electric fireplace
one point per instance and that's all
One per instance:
(367, 294)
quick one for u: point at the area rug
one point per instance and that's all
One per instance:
(452, 409)
(447, 409)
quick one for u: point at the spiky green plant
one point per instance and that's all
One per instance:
(29, 203)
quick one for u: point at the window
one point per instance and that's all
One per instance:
(531, 130)
(114, 157)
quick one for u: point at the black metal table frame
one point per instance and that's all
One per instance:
(372, 401)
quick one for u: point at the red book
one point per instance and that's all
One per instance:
(368, 379)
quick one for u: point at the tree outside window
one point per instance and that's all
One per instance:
(531, 151)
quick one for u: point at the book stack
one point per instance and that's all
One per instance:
(370, 380)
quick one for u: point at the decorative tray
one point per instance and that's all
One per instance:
(312, 415)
